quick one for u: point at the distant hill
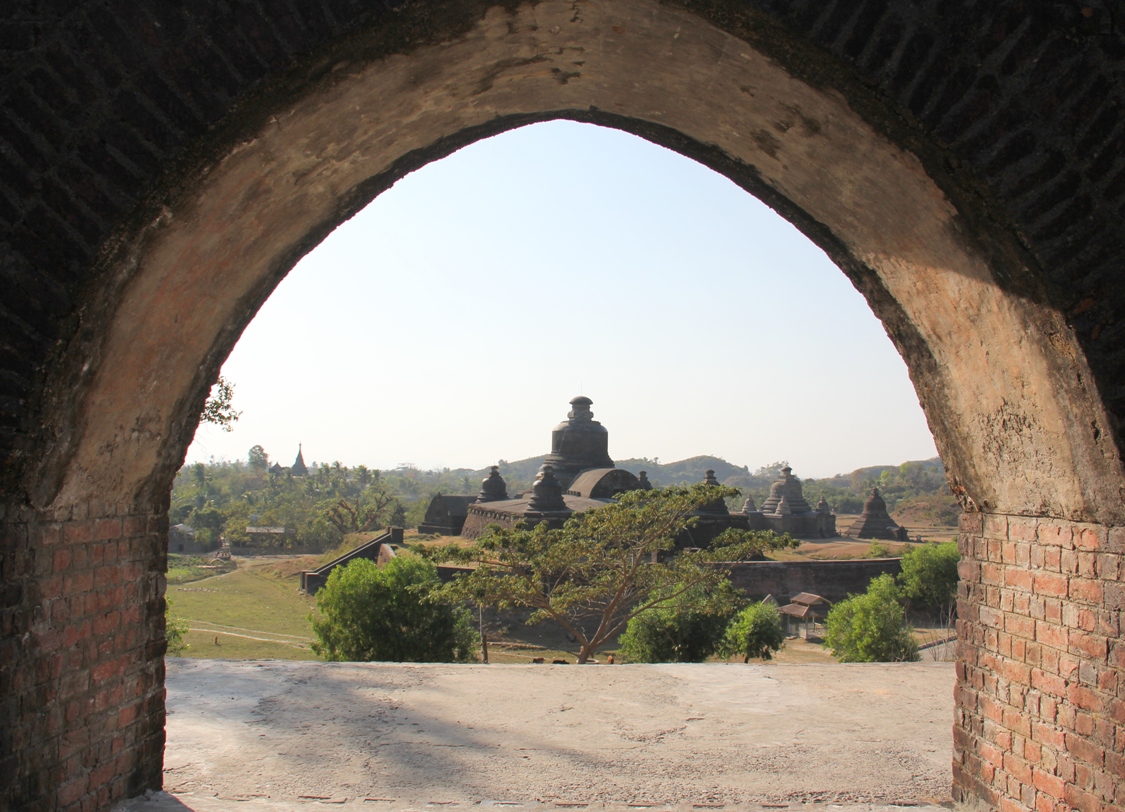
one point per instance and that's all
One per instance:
(684, 472)
(520, 474)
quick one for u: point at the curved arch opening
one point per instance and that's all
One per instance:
(464, 302)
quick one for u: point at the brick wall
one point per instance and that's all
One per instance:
(1040, 719)
(81, 655)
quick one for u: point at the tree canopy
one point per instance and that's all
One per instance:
(219, 408)
(390, 613)
(929, 575)
(755, 633)
(687, 629)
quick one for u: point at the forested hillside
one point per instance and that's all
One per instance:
(917, 485)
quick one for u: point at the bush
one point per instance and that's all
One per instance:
(929, 575)
(877, 550)
(387, 613)
(755, 632)
(687, 630)
(871, 628)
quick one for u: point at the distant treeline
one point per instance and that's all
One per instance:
(224, 498)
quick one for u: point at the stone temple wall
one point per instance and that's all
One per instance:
(834, 580)
(82, 610)
(1040, 718)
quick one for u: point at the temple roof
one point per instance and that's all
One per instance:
(875, 521)
(299, 468)
(493, 488)
(604, 483)
(787, 487)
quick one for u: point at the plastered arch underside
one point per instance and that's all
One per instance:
(1001, 378)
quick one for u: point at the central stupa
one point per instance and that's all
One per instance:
(578, 443)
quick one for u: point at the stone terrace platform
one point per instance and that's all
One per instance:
(293, 735)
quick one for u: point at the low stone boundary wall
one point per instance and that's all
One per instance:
(834, 580)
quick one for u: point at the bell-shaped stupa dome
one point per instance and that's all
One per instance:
(492, 487)
(718, 505)
(578, 443)
(875, 503)
(875, 523)
(546, 492)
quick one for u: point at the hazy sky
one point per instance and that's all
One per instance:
(450, 322)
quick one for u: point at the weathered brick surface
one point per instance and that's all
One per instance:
(1040, 719)
(81, 655)
(1019, 105)
(1025, 101)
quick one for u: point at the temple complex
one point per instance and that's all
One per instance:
(579, 474)
(876, 523)
(786, 511)
(548, 502)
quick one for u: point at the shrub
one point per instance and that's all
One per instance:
(877, 550)
(175, 630)
(389, 613)
(929, 575)
(871, 628)
(687, 630)
(755, 632)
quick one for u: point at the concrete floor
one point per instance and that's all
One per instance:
(284, 735)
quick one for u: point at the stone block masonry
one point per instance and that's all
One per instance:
(1040, 717)
(82, 655)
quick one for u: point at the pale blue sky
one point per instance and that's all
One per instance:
(449, 323)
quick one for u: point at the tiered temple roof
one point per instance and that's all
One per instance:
(876, 523)
(787, 488)
(298, 468)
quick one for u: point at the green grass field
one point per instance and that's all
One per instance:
(257, 613)
(246, 614)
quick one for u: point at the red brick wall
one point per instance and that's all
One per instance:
(1040, 719)
(81, 655)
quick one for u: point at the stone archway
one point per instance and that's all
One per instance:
(1003, 377)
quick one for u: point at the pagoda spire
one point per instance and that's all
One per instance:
(299, 468)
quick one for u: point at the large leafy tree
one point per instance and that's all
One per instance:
(601, 569)
(257, 459)
(929, 576)
(369, 510)
(871, 628)
(688, 629)
(756, 632)
(390, 613)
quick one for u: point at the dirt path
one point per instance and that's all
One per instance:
(289, 734)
